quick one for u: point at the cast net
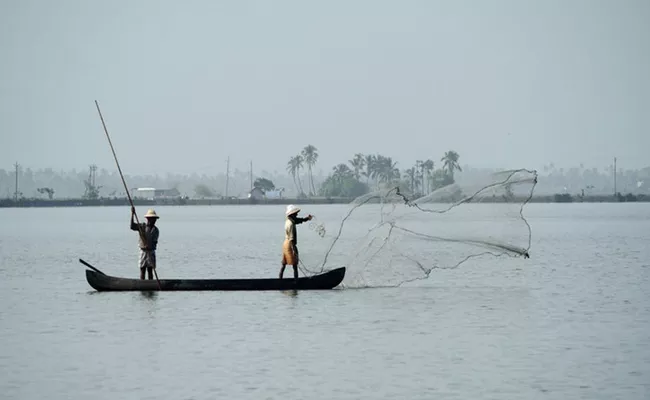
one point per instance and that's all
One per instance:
(386, 238)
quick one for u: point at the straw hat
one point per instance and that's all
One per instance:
(151, 214)
(291, 209)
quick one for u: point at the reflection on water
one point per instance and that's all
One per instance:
(152, 295)
(290, 293)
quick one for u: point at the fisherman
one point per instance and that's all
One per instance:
(289, 248)
(147, 247)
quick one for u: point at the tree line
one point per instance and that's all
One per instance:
(358, 175)
(365, 172)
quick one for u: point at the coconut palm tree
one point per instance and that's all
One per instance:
(377, 169)
(450, 163)
(310, 156)
(390, 172)
(385, 170)
(358, 162)
(300, 162)
(293, 167)
(341, 172)
(369, 161)
(427, 169)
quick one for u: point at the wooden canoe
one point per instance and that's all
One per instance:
(102, 282)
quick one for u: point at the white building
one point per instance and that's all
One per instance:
(259, 194)
(275, 194)
(154, 194)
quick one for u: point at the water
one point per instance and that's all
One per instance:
(571, 322)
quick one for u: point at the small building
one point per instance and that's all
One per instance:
(274, 194)
(155, 194)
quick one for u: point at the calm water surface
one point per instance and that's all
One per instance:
(572, 322)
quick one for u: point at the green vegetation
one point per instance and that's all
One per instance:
(264, 184)
(203, 191)
(367, 172)
(342, 183)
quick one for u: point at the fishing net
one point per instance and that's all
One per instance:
(386, 238)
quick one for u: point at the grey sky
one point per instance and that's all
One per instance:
(182, 85)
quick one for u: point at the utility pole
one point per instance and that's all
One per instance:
(93, 174)
(227, 174)
(615, 177)
(16, 191)
(251, 174)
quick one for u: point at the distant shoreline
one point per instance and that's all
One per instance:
(107, 202)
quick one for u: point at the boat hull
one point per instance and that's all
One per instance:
(102, 282)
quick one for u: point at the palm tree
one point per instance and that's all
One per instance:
(385, 170)
(293, 167)
(370, 162)
(390, 172)
(376, 169)
(341, 172)
(450, 163)
(358, 162)
(310, 156)
(299, 164)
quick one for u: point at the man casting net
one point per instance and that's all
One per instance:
(386, 238)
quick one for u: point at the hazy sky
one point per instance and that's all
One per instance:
(184, 84)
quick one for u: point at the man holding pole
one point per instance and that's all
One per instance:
(149, 234)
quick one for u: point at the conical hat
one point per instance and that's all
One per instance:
(151, 214)
(291, 209)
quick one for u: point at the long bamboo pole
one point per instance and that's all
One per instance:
(128, 194)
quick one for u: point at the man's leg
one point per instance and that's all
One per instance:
(151, 263)
(285, 248)
(296, 260)
(143, 263)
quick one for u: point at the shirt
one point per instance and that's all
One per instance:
(151, 234)
(290, 231)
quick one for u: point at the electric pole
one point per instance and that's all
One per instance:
(227, 174)
(251, 174)
(615, 177)
(93, 174)
(16, 191)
